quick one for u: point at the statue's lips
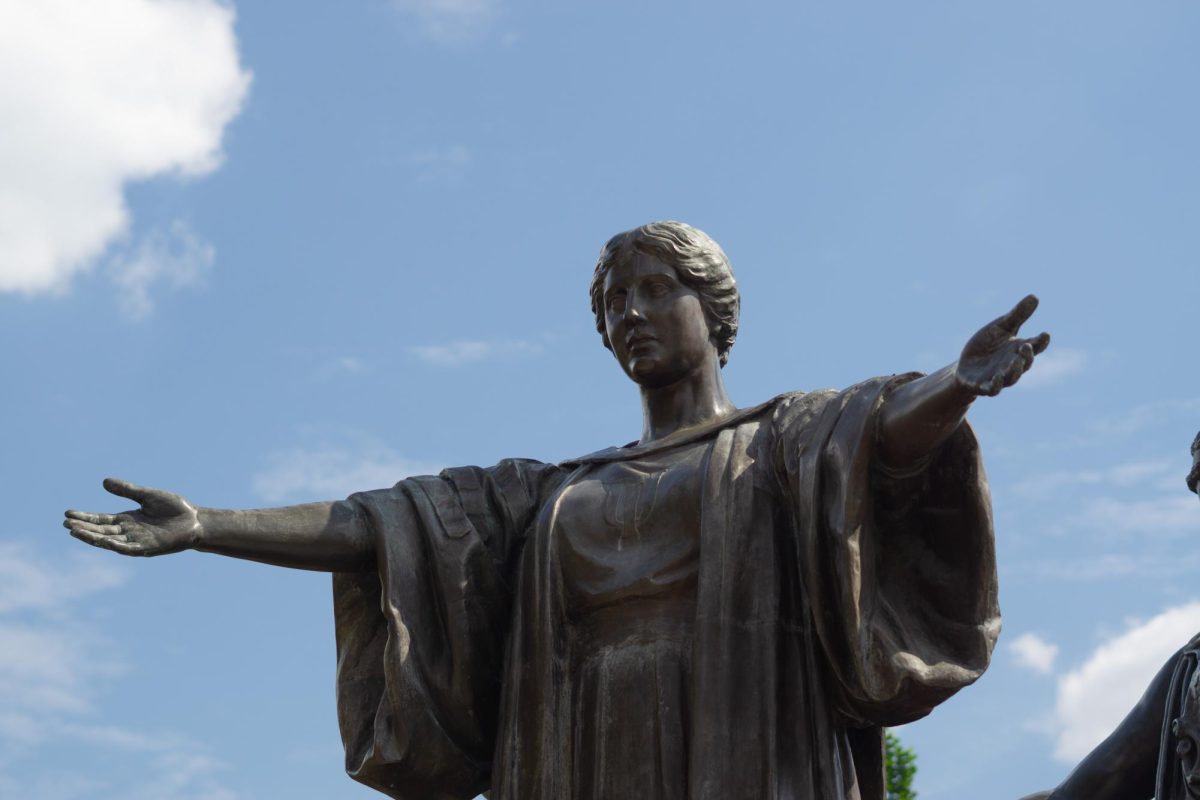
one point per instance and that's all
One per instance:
(639, 342)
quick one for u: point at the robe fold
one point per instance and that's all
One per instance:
(834, 597)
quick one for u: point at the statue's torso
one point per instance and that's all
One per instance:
(629, 552)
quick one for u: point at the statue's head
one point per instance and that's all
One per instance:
(1193, 479)
(695, 289)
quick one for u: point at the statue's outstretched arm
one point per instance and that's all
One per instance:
(331, 537)
(922, 414)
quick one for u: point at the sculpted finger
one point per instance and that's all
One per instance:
(132, 491)
(1015, 370)
(101, 541)
(1013, 320)
(1040, 343)
(1025, 353)
(111, 531)
(87, 516)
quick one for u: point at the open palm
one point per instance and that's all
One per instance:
(996, 357)
(164, 523)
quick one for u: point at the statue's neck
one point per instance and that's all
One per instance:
(696, 398)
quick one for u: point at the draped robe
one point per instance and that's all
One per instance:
(834, 597)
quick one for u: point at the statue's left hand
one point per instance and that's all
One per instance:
(165, 523)
(996, 357)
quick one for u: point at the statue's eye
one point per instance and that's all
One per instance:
(1184, 747)
(616, 302)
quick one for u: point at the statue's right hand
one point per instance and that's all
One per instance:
(165, 523)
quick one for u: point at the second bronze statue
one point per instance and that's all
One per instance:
(731, 606)
(1155, 751)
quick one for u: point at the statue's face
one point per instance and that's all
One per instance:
(656, 325)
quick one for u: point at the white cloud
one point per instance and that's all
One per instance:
(1164, 516)
(47, 667)
(93, 96)
(1144, 498)
(450, 21)
(48, 661)
(442, 163)
(175, 257)
(331, 471)
(1147, 415)
(338, 367)
(1096, 696)
(1034, 652)
(52, 670)
(181, 775)
(1111, 565)
(1053, 366)
(1119, 476)
(454, 354)
(29, 583)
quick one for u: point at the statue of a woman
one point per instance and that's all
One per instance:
(730, 607)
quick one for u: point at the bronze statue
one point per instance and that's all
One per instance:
(1155, 751)
(730, 607)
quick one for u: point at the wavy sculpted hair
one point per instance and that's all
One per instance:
(699, 263)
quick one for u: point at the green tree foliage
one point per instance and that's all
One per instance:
(901, 767)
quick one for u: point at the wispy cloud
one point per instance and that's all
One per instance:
(180, 774)
(52, 670)
(1107, 566)
(1130, 474)
(338, 367)
(1054, 366)
(454, 354)
(449, 163)
(1146, 415)
(1033, 652)
(332, 470)
(28, 583)
(78, 128)
(1093, 698)
(173, 258)
(450, 21)
(48, 661)
(1164, 517)
(1145, 498)
(47, 668)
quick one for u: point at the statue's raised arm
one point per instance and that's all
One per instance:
(329, 536)
(921, 414)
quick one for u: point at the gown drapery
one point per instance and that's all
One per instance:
(791, 596)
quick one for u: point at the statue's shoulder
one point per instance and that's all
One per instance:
(790, 408)
(750, 414)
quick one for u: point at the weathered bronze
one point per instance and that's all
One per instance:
(1155, 751)
(730, 607)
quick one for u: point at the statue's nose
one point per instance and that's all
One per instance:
(633, 311)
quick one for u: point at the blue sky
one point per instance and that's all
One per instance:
(274, 252)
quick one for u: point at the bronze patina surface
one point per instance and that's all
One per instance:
(731, 606)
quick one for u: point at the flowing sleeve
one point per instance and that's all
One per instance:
(420, 640)
(899, 570)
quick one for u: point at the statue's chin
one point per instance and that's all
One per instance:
(649, 372)
(641, 367)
